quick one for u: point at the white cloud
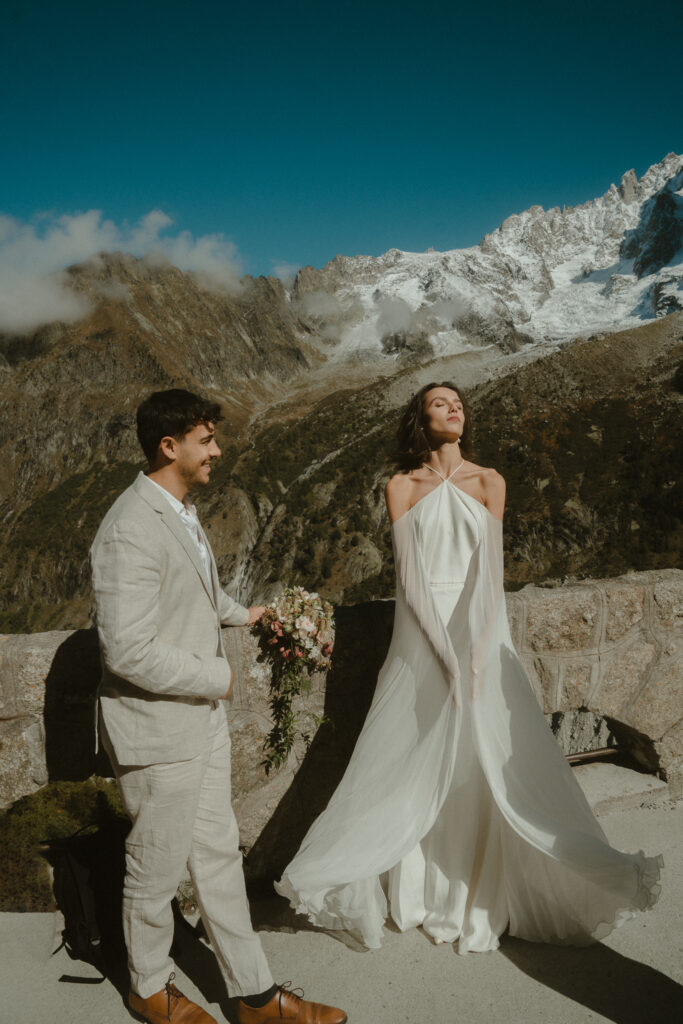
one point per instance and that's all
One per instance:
(449, 311)
(394, 315)
(33, 254)
(286, 271)
(320, 305)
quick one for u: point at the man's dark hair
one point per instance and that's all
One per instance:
(172, 414)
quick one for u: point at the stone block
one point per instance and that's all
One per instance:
(562, 618)
(547, 673)
(576, 682)
(22, 758)
(624, 673)
(529, 665)
(667, 592)
(516, 612)
(625, 606)
(47, 691)
(659, 705)
(670, 752)
(25, 662)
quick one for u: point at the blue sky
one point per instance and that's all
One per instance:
(300, 130)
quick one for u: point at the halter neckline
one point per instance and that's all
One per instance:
(444, 478)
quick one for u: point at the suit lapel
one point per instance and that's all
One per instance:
(171, 520)
(215, 582)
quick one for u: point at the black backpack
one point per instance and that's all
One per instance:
(88, 869)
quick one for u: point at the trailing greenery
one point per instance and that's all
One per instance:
(297, 637)
(287, 683)
(54, 812)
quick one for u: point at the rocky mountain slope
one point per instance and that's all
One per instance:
(588, 434)
(613, 262)
(589, 439)
(68, 394)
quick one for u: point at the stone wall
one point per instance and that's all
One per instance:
(604, 658)
(613, 649)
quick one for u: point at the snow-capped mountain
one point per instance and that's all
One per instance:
(543, 275)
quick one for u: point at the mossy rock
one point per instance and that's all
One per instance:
(54, 812)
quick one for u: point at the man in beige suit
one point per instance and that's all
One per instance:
(165, 678)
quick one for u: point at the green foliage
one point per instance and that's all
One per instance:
(55, 811)
(288, 682)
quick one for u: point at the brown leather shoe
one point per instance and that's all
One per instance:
(169, 1005)
(288, 1006)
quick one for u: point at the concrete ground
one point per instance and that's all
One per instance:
(634, 977)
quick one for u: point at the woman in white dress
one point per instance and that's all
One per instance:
(458, 811)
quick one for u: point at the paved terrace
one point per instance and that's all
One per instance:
(634, 977)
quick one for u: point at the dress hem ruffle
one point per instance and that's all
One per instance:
(647, 891)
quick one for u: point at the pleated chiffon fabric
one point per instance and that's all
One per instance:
(458, 811)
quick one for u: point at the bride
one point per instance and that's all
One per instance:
(458, 811)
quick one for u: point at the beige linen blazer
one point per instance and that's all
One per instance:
(159, 624)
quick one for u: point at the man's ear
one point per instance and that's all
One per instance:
(168, 448)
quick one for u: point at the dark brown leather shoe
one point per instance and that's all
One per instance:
(168, 1005)
(290, 1007)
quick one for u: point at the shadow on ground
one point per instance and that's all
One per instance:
(606, 982)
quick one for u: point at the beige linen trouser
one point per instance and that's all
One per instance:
(181, 816)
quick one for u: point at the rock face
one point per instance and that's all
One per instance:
(605, 659)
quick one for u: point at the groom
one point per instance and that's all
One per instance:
(165, 679)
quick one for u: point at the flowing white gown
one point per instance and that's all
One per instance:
(458, 810)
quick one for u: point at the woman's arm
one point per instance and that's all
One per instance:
(493, 486)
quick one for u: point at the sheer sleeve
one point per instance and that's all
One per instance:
(412, 579)
(487, 596)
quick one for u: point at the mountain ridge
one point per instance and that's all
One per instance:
(548, 275)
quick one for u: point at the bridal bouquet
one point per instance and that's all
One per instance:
(298, 636)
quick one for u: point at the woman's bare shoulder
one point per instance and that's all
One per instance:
(400, 482)
(493, 490)
(491, 476)
(398, 493)
(485, 472)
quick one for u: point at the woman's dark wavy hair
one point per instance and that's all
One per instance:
(412, 443)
